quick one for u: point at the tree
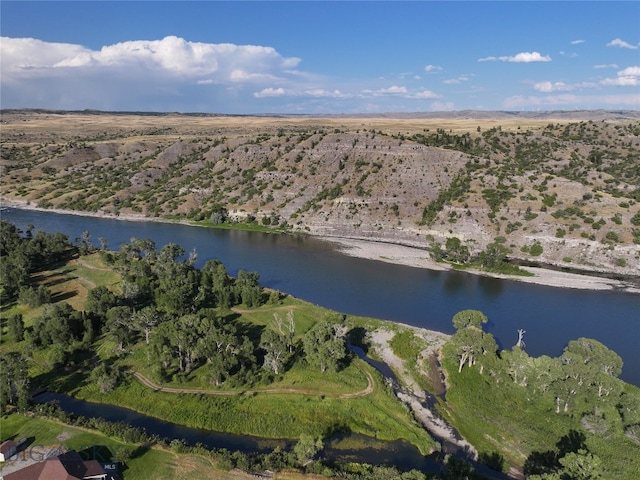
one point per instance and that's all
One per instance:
(324, 345)
(59, 324)
(119, 325)
(469, 318)
(105, 377)
(456, 251)
(224, 349)
(579, 465)
(492, 257)
(470, 340)
(436, 252)
(146, 319)
(14, 381)
(276, 351)
(183, 334)
(99, 300)
(177, 287)
(15, 327)
(84, 243)
(248, 289)
(288, 331)
(34, 296)
(593, 366)
(307, 448)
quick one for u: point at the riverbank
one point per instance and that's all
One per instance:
(419, 258)
(389, 252)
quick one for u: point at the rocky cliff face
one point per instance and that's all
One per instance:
(564, 193)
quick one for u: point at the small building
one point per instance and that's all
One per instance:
(8, 448)
(68, 466)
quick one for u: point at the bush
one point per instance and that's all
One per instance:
(536, 249)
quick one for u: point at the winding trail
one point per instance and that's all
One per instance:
(203, 391)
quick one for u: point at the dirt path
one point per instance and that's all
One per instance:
(150, 384)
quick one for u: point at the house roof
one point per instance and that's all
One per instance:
(68, 466)
(7, 445)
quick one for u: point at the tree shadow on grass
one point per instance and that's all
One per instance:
(539, 463)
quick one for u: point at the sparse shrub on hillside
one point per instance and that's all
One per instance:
(536, 249)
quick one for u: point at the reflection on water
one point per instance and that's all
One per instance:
(490, 288)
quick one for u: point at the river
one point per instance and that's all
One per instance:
(315, 271)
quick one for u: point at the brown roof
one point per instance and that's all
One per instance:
(7, 445)
(68, 466)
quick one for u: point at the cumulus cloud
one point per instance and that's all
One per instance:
(577, 42)
(619, 43)
(140, 68)
(522, 57)
(432, 68)
(627, 77)
(270, 92)
(170, 55)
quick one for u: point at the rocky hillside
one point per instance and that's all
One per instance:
(560, 191)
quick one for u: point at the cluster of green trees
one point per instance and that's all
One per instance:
(22, 255)
(176, 312)
(578, 390)
(494, 258)
(179, 316)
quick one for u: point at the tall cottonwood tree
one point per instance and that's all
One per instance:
(324, 345)
(472, 343)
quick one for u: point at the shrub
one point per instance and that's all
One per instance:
(536, 249)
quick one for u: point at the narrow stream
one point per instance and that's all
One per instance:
(340, 447)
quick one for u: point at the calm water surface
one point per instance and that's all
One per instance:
(313, 270)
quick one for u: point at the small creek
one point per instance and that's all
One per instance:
(341, 447)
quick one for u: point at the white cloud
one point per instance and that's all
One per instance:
(628, 77)
(551, 87)
(270, 92)
(522, 57)
(577, 42)
(621, 44)
(170, 55)
(393, 90)
(424, 94)
(127, 74)
(547, 87)
(610, 65)
(432, 68)
(321, 92)
(399, 91)
(456, 81)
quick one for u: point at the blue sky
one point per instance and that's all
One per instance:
(320, 57)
